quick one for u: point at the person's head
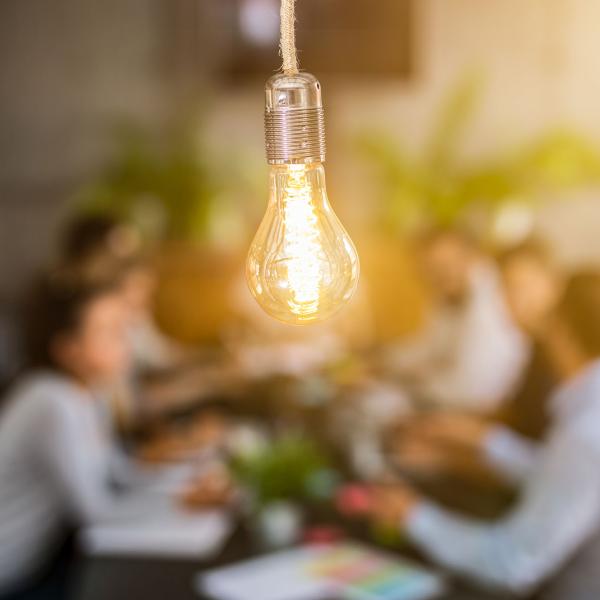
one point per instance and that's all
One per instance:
(77, 328)
(97, 237)
(138, 285)
(532, 283)
(446, 259)
(573, 332)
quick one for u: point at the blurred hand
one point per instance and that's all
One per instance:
(392, 504)
(420, 455)
(212, 489)
(188, 386)
(209, 429)
(179, 443)
(456, 429)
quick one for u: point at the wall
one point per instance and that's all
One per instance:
(540, 62)
(67, 67)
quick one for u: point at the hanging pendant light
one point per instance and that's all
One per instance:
(302, 266)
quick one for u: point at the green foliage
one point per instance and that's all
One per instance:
(439, 188)
(170, 185)
(284, 470)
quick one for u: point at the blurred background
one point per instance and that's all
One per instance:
(476, 122)
(153, 110)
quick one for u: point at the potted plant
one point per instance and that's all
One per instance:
(184, 198)
(281, 478)
(494, 195)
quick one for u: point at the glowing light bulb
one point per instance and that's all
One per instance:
(302, 266)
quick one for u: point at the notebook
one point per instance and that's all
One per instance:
(345, 570)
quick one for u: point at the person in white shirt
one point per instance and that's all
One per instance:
(558, 513)
(165, 375)
(57, 461)
(436, 446)
(470, 354)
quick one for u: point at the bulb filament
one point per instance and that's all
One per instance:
(302, 243)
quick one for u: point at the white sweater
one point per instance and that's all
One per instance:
(559, 508)
(55, 466)
(472, 355)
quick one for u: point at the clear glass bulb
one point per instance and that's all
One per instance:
(302, 266)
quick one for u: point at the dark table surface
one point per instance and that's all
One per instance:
(161, 579)
(128, 578)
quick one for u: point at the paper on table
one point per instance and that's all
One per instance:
(344, 570)
(281, 576)
(177, 535)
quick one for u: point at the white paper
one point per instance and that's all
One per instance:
(280, 576)
(175, 535)
(298, 575)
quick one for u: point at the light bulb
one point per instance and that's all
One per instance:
(302, 266)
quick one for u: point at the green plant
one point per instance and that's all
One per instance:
(171, 185)
(290, 468)
(439, 187)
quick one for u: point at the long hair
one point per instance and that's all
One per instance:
(580, 310)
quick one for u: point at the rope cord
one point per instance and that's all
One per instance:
(288, 37)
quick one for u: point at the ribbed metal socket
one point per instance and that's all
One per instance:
(294, 119)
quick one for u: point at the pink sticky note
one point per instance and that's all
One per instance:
(354, 500)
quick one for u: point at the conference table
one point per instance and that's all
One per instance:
(133, 578)
(126, 578)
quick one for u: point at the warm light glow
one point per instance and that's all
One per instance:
(302, 265)
(302, 243)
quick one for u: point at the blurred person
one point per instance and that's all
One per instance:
(557, 519)
(470, 354)
(152, 350)
(11, 352)
(441, 442)
(533, 285)
(164, 374)
(101, 246)
(57, 462)
(167, 376)
(88, 239)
